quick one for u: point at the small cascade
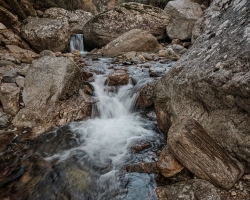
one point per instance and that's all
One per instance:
(76, 42)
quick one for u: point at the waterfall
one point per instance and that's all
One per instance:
(76, 42)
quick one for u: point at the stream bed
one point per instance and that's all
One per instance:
(87, 159)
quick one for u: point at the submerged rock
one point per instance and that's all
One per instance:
(210, 81)
(189, 190)
(134, 40)
(184, 13)
(199, 153)
(103, 28)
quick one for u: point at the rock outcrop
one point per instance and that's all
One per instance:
(199, 153)
(104, 27)
(135, 40)
(44, 33)
(210, 81)
(52, 32)
(184, 13)
(51, 95)
(76, 19)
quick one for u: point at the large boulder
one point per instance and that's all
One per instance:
(44, 33)
(198, 152)
(50, 94)
(134, 40)
(184, 13)
(104, 27)
(76, 19)
(210, 81)
(194, 189)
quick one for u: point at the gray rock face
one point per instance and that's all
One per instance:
(199, 153)
(44, 33)
(48, 83)
(133, 40)
(9, 97)
(195, 189)
(183, 13)
(107, 26)
(210, 81)
(76, 19)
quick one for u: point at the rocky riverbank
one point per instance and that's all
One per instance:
(201, 103)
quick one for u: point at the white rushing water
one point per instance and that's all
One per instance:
(76, 42)
(105, 141)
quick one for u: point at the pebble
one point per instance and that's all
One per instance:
(233, 193)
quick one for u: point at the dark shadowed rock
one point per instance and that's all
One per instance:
(4, 119)
(107, 26)
(194, 189)
(210, 81)
(7, 18)
(200, 154)
(135, 40)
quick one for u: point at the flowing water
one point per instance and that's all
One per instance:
(76, 42)
(86, 160)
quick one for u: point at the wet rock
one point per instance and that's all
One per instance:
(167, 164)
(10, 76)
(183, 13)
(135, 40)
(142, 167)
(9, 97)
(46, 34)
(189, 190)
(47, 53)
(4, 120)
(146, 95)
(103, 28)
(140, 147)
(118, 77)
(199, 153)
(211, 80)
(42, 97)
